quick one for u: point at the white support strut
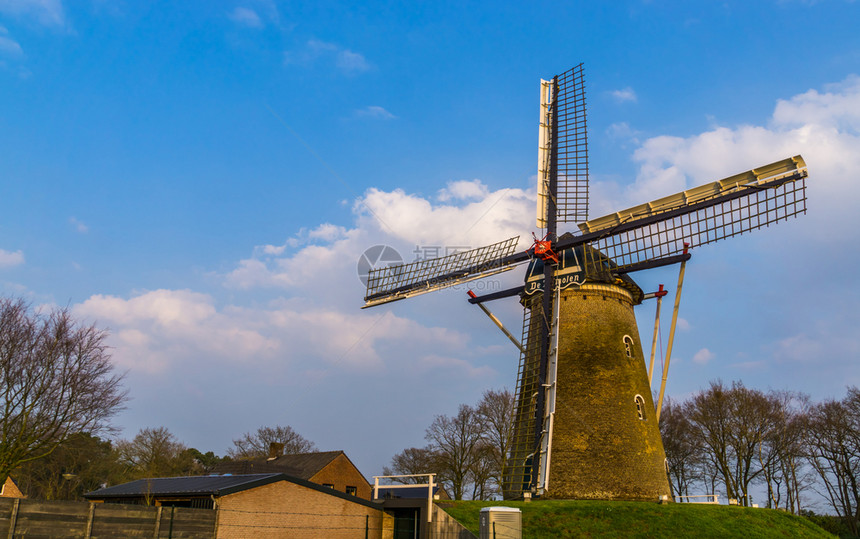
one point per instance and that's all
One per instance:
(671, 335)
(549, 409)
(544, 141)
(659, 295)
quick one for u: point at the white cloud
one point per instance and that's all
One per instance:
(703, 356)
(346, 61)
(825, 340)
(274, 249)
(252, 272)
(374, 111)
(481, 221)
(246, 17)
(155, 331)
(351, 62)
(839, 107)
(319, 47)
(8, 46)
(624, 95)
(800, 347)
(9, 259)
(79, 225)
(468, 215)
(327, 232)
(307, 258)
(623, 131)
(45, 12)
(454, 367)
(464, 190)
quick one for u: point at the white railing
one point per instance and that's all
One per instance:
(709, 498)
(429, 484)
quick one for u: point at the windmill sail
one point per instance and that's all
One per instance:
(643, 236)
(393, 283)
(563, 129)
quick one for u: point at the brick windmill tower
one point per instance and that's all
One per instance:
(585, 425)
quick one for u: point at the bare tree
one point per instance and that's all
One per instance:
(781, 451)
(683, 450)
(456, 441)
(834, 453)
(484, 472)
(731, 424)
(56, 379)
(495, 413)
(467, 452)
(256, 445)
(155, 452)
(412, 461)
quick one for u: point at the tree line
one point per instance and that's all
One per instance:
(467, 451)
(727, 438)
(84, 462)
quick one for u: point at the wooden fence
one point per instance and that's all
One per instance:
(36, 519)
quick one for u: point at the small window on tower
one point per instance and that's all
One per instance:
(351, 490)
(328, 485)
(640, 406)
(628, 346)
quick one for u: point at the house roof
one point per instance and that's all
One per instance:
(203, 485)
(302, 465)
(211, 485)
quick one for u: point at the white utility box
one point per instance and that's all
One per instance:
(501, 523)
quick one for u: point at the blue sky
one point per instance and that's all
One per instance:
(201, 178)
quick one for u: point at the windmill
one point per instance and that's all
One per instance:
(583, 424)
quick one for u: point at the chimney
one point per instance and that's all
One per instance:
(275, 450)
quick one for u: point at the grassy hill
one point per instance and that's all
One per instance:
(556, 518)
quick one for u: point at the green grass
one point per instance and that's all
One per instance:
(545, 519)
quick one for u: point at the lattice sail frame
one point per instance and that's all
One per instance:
(517, 475)
(393, 283)
(563, 129)
(706, 214)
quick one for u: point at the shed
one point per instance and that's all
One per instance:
(259, 505)
(194, 491)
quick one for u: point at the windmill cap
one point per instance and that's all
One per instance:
(570, 269)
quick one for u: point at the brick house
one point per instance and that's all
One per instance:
(260, 505)
(332, 469)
